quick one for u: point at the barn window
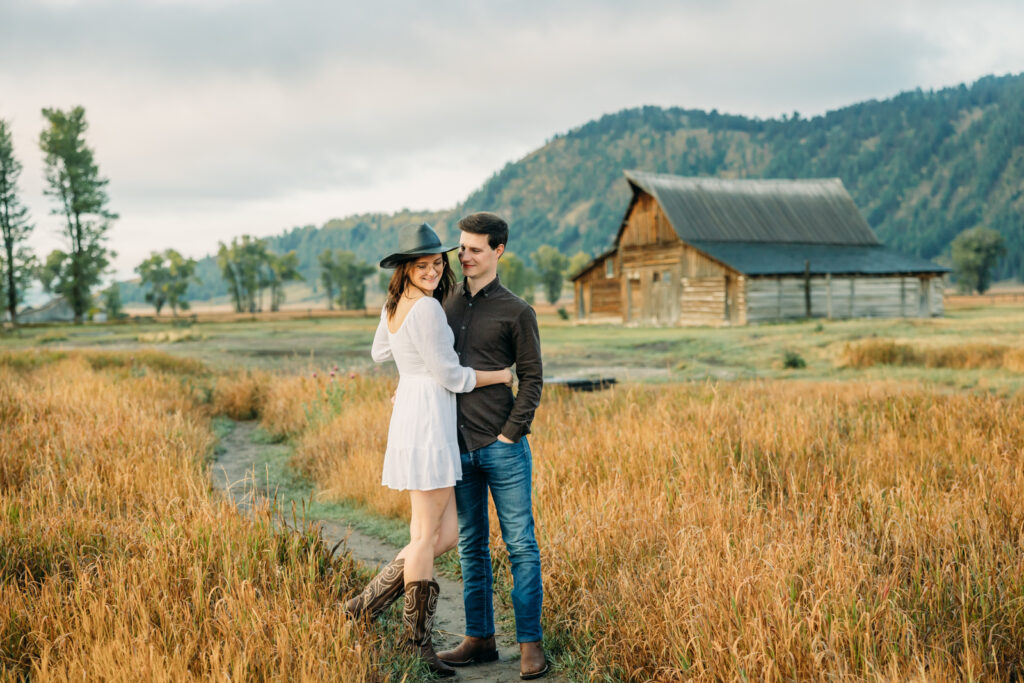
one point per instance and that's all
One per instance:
(609, 268)
(667, 276)
(656, 277)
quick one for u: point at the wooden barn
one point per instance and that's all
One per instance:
(710, 251)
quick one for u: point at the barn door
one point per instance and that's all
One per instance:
(634, 299)
(661, 297)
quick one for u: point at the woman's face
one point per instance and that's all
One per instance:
(426, 272)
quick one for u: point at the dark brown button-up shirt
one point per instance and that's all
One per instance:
(493, 330)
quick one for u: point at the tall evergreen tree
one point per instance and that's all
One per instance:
(74, 181)
(16, 262)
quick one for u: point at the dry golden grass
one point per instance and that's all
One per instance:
(117, 562)
(873, 352)
(170, 336)
(240, 395)
(757, 531)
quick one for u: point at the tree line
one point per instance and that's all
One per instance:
(78, 190)
(254, 274)
(74, 183)
(925, 168)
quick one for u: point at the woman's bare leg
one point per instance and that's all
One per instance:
(447, 539)
(428, 513)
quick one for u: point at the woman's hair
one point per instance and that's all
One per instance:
(400, 280)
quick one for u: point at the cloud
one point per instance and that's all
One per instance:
(253, 116)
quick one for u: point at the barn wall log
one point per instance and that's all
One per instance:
(770, 298)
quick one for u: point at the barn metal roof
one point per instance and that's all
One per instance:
(760, 258)
(818, 211)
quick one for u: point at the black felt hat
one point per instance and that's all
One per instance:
(413, 241)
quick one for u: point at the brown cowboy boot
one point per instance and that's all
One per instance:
(471, 650)
(378, 595)
(420, 605)
(532, 663)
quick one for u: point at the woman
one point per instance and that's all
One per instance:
(423, 452)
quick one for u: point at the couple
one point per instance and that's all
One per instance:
(449, 339)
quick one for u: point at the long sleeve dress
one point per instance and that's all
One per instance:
(423, 446)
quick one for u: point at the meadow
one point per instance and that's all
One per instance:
(715, 516)
(117, 562)
(314, 340)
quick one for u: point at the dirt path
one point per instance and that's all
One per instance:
(235, 470)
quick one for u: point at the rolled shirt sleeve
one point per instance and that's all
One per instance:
(529, 369)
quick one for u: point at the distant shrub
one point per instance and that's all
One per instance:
(793, 360)
(143, 359)
(562, 313)
(878, 352)
(48, 337)
(964, 356)
(170, 337)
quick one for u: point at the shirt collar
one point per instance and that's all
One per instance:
(488, 289)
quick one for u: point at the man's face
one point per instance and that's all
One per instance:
(476, 256)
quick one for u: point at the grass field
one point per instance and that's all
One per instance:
(726, 518)
(760, 530)
(295, 342)
(118, 563)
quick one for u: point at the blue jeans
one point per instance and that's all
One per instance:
(505, 469)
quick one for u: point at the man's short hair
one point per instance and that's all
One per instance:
(486, 223)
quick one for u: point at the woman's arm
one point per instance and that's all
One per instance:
(381, 349)
(436, 344)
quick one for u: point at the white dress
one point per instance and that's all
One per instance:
(423, 446)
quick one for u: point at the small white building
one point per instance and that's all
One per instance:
(55, 310)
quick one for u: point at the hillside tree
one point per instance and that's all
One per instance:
(348, 274)
(166, 275)
(324, 261)
(53, 273)
(281, 268)
(112, 302)
(551, 266)
(74, 182)
(577, 263)
(242, 265)
(351, 273)
(519, 278)
(975, 254)
(16, 262)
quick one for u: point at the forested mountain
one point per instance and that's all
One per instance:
(922, 167)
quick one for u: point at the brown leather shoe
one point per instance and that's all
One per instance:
(532, 663)
(471, 650)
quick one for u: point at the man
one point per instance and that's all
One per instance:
(495, 329)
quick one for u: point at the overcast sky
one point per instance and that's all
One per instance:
(214, 118)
